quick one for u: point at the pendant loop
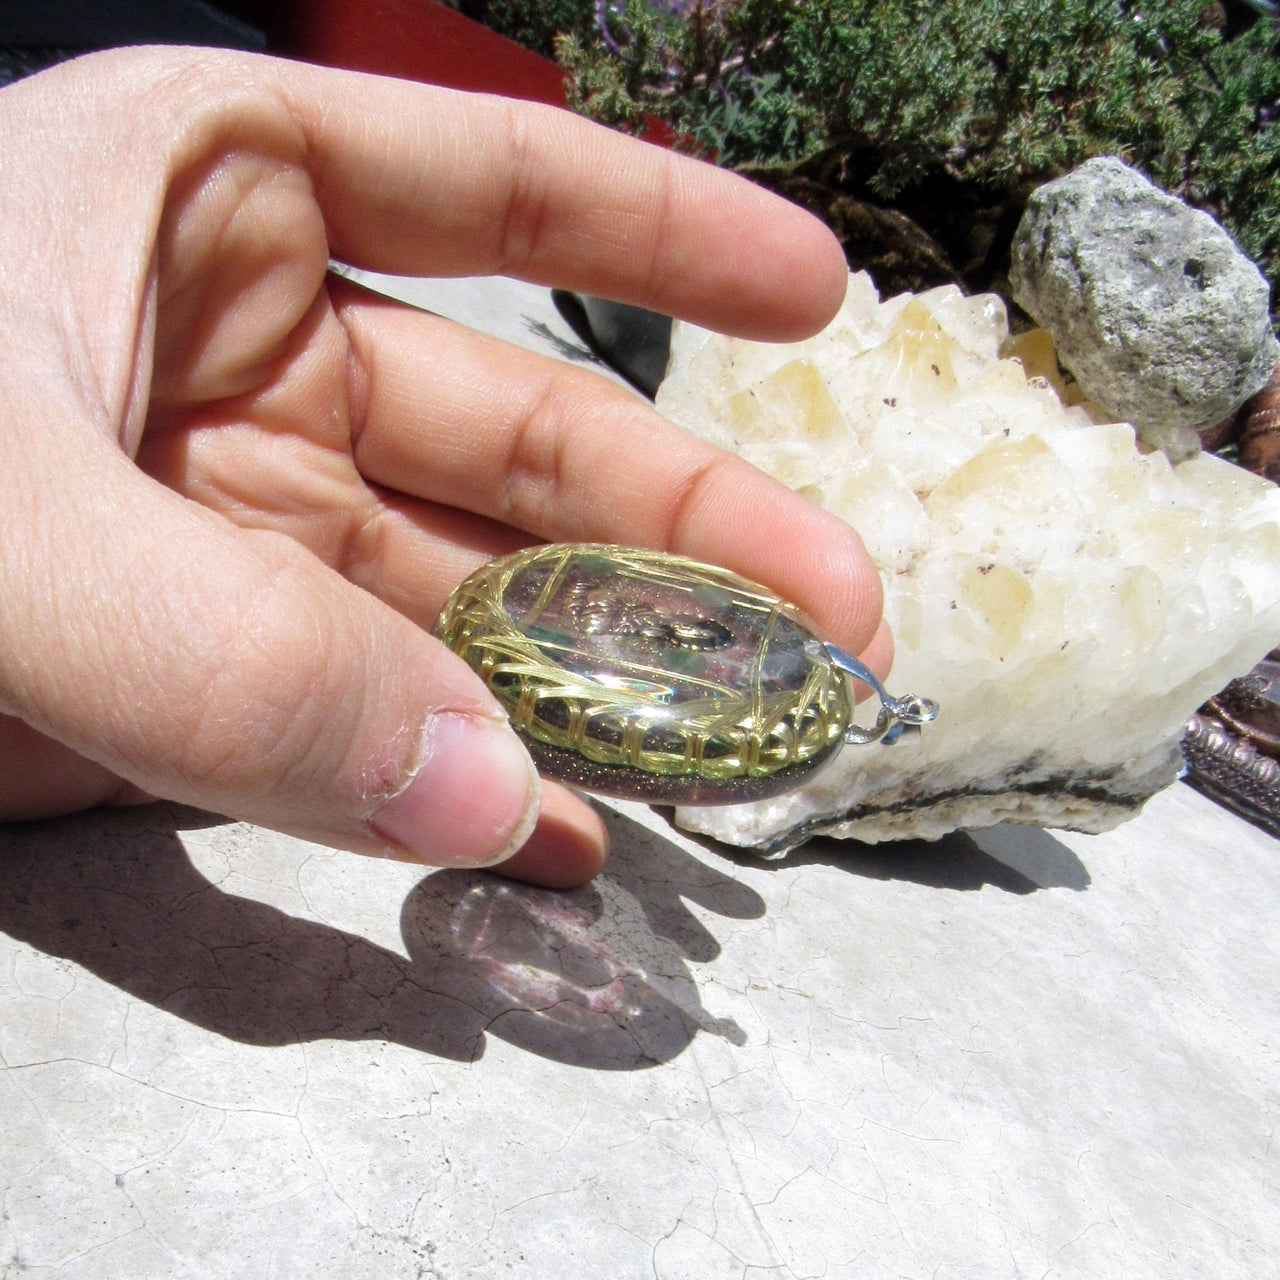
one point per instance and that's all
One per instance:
(895, 714)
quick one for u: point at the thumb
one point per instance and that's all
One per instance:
(230, 669)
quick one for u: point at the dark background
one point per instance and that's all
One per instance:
(35, 34)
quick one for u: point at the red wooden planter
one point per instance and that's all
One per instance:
(422, 40)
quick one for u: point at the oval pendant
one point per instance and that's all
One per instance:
(647, 676)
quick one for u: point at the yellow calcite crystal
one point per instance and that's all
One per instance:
(1069, 597)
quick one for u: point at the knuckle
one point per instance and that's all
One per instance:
(534, 469)
(525, 214)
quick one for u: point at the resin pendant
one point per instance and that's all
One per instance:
(647, 676)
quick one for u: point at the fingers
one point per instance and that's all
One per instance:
(268, 158)
(562, 453)
(417, 180)
(568, 847)
(41, 778)
(878, 655)
(231, 670)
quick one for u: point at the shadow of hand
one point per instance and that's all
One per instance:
(595, 978)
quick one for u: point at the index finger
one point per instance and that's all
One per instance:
(419, 180)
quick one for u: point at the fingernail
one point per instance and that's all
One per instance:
(473, 802)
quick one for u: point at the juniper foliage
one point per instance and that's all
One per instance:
(994, 96)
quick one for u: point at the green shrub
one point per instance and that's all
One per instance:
(536, 24)
(912, 101)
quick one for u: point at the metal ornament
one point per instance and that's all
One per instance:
(647, 676)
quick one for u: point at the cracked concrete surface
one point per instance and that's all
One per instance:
(225, 1052)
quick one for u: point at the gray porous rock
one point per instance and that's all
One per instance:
(1161, 319)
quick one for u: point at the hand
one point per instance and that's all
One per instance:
(239, 489)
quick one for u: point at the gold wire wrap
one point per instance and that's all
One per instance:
(616, 708)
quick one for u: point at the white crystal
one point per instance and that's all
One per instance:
(1067, 597)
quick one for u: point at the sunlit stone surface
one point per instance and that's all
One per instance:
(1067, 598)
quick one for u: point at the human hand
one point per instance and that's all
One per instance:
(239, 489)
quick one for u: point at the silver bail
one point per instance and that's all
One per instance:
(895, 714)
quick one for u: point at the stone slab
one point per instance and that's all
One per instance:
(227, 1052)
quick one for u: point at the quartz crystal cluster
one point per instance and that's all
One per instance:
(1067, 596)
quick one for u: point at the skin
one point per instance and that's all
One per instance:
(238, 489)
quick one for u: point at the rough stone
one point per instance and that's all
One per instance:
(1068, 598)
(1161, 319)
